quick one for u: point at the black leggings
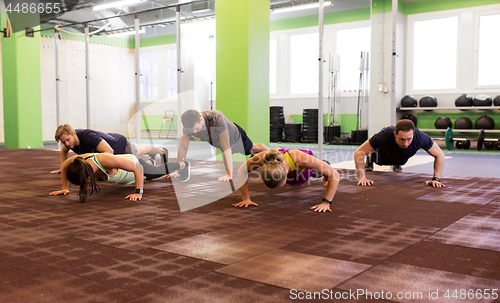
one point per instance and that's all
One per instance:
(152, 171)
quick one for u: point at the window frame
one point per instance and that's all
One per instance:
(161, 50)
(475, 59)
(297, 32)
(276, 80)
(410, 51)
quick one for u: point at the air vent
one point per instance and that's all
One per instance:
(201, 7)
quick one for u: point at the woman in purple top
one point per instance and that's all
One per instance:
(291, 166)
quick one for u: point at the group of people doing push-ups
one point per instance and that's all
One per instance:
(113, 158)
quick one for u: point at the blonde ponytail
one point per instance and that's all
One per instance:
(273, 170)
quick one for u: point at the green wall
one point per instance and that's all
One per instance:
(426, 6)
(22, 100)
(242, 67)
(159, 40)
(330, 18)
(425, 120)
(99, 39)
(154, 122)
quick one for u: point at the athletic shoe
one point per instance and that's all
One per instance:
(397, 168)
(369, 164)
(185, 173)
(325, 181)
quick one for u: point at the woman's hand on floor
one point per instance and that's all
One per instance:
(321, 208)
(59, 192)
(244, 203)
(134, 197)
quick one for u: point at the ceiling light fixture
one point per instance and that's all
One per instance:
(115, 4)
(141, 31)
(299, 7)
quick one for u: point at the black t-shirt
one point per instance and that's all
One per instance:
(89, 139)
(389, 153)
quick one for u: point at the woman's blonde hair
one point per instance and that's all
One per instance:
(273, 170)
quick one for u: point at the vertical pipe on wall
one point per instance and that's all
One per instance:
(58, 105)
(320, 92)
(179, 69)
(87, 73)
(393, 61)
(137, 117)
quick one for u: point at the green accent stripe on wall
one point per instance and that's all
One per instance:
(426, 120)
(99, 39)
(426, 6)
(382, 6)
(330, 18)
(160, 40)
(155, 122)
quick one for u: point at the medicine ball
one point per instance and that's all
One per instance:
(463, 123)
(482, 100)
(463, 100)
(428, 101)
(443, 123)
(496, 101)
(411, 117)
(408, 101)
(484, 122)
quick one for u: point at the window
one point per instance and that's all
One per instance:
(171, 74)
(435, 53)
(304, 53)
(148, 64)
(350, 43)
(273, 65)
(489, 44)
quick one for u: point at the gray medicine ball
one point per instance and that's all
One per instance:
(482, 100)
(484, 122)
(463, 123)
(428, 101)
(410, 117)
(496, 101)
(408, 101)
(463, 100)
(443, 123)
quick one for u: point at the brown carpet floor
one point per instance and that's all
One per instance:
(396, 241)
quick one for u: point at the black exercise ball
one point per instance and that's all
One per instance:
(463, 100)
(408, 101)
(482, 100)
(443, 123)
(410, 117)
(463, 123)
(428, 101)
(496, 101)
(484, 122)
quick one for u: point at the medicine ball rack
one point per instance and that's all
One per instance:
(467, 108)
(450, 139)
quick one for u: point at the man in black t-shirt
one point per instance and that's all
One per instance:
(394, 146)
(83, 141)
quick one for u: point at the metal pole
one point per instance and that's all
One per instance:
(87, 73)
(58, 105)
(137, 118)
(320, 93)
(393, 62)
(179, 71)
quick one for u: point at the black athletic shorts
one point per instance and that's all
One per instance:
(247, 143)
